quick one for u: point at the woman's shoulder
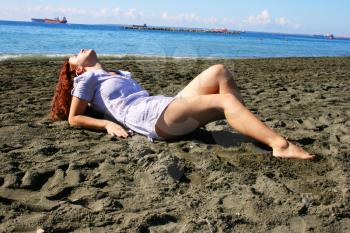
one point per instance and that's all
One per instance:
(86, 75)
(94, 75)
(87, 78)
(124, 73)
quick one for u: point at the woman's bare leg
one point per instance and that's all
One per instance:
(214, 80)
(186, 114)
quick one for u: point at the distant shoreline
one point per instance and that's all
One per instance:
(338, 36)
(123, 57)
(41, 39)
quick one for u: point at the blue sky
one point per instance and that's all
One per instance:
(291, 16)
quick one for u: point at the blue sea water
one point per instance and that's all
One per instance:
(27, 38)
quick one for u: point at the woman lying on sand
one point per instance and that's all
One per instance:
(211, 96)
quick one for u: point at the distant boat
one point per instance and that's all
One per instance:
(38, 20)
(136, 26)
(219, 30)
(330, 36)
(46, 20)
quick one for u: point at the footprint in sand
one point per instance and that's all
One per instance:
(11, 181)
(167, 169)
(161, 223)
(40, 189)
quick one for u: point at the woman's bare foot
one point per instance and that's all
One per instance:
(288, 150)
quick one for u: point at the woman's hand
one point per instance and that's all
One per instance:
(114, 129)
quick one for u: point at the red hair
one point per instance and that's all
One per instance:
(62, 99)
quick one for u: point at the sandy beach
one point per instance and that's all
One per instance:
(61, 179)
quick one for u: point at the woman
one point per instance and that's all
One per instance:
(211, 96)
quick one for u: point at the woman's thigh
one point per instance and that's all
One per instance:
(204, 84)
(184, 115)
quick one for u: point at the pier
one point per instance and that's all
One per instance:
(175, 29)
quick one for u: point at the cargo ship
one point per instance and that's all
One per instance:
(46, 20)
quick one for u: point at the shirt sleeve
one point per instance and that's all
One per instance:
(124, 73)
(84, 86)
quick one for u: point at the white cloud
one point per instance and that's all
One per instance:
(101, 13)
(264, 21)
(180, 17)
(228, 21)
(188, 18)
(262, 18)
(116, 11)
(212, 20)
(296, 25)
(282, 21)
(131, 13)
(53, 10)
(117, 15)
(74, 14)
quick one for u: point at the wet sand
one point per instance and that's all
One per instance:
(62, 179)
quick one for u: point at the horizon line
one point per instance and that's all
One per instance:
(337, 36)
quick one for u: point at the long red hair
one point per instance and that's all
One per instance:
(62, 99)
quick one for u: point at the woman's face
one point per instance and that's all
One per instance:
(85, 58)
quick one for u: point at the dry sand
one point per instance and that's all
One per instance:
(63, 179)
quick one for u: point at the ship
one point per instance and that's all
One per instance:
(330, 36)
(46, 20)
(219, 30)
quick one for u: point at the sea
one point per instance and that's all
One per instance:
(18, 39)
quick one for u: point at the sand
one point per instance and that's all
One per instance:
(60, 179)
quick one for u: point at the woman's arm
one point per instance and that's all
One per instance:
(77, 119)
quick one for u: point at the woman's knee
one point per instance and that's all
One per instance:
(221, 73)
(218, 69)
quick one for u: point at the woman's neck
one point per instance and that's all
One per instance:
(97, 66)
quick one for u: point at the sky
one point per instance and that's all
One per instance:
(287, 16)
